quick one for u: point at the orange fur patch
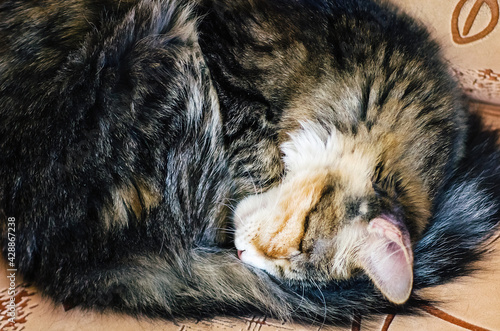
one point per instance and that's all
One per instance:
(136, 198)
(280, 237)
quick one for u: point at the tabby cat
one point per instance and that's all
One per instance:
(306, 159)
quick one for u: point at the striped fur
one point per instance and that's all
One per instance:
(130, 131)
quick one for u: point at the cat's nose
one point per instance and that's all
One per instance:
(239, 254)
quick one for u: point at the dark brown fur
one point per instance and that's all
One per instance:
(130, 131)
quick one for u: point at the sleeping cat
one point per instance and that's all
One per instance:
(367, 134)
(136, 137)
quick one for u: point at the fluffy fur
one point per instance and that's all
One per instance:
(130, 129)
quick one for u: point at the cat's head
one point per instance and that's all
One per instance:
(327, 219)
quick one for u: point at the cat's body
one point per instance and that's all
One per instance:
(129, 132)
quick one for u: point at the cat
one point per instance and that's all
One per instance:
(305, 159)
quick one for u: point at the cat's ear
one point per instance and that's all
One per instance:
(387, 258)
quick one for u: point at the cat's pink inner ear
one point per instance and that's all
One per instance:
(387, 258)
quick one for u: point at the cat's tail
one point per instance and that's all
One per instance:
(467, 214)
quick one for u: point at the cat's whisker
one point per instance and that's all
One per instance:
(253, 181)
(232, 200)
(257, 191)
(301, 296)
(231, 231)
(235, 214)
(325, 308)
(231, 207)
